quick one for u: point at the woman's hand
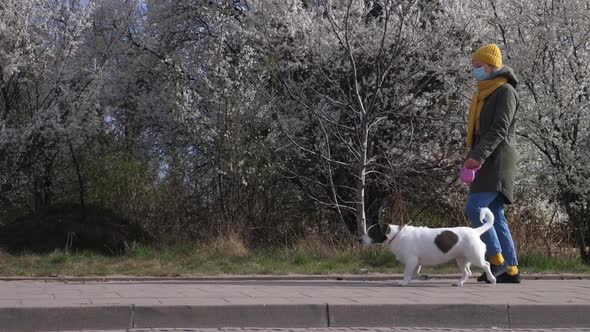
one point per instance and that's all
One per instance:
(471, 164)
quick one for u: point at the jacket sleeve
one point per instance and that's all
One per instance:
(506, 104)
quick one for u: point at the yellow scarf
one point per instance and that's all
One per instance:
(484, 89)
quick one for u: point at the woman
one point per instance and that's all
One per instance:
(491, 144)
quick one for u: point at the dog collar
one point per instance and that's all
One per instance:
(396, 234)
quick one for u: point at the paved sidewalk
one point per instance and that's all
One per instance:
(49, 305)
(344, 329)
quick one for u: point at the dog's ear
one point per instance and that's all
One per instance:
(385, 229)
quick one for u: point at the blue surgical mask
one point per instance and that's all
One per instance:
(480, 74)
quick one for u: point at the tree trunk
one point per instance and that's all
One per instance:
(80, 182)
(361, 177)
(584, 253)
(42, 188)
(360, 198)
(576, 218)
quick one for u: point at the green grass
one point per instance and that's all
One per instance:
(537, 263)
(220, 260)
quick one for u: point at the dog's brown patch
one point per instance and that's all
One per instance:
(446, 240)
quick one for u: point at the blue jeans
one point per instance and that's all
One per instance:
(498, 239)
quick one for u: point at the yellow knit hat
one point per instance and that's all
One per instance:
(489, 54)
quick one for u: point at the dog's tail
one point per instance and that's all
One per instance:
(487, 215)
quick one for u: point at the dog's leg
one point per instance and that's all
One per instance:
(477, 258)
(463, 265)
(416, 274)
(409, 270)
(486, 268)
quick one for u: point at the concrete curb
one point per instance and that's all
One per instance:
(60, 318)
(294, 316)
(461, 316)
(288, 277)
(280, 316)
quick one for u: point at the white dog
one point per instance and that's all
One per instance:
(417, 246)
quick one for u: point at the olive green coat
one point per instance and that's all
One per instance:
(495, 143)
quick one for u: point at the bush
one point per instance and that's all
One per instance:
(69, 227)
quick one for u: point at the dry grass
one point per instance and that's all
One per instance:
(535, 232)
(325, 247)
(231, 244)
